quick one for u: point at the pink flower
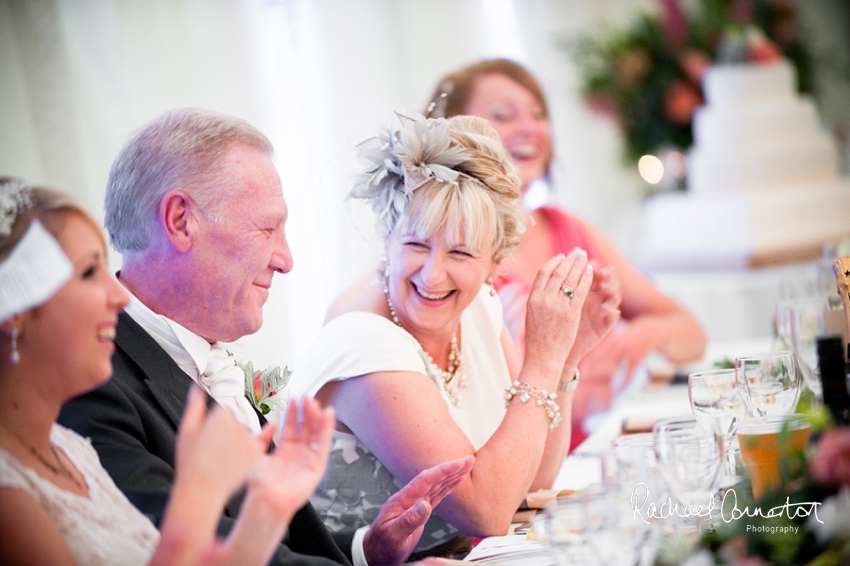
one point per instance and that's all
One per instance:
(674, 22)
(830, 464)
(694, 64)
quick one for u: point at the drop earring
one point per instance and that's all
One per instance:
(14, 356)
(492, 287)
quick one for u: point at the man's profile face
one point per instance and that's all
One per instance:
(236, 258)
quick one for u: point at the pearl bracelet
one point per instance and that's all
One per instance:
(545, 400)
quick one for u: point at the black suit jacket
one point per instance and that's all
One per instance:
(132, 423)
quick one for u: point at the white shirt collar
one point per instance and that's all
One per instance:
(189, 350)
(191, 353)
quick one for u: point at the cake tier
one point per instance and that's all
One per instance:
(770, 164)
(738, 229)
(740, 127)
(734, 85)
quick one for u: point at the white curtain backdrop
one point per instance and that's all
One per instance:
(318, 76)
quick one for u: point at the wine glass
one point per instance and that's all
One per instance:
(716, 403)
(689, 459)
(769, 383)
(805, 324)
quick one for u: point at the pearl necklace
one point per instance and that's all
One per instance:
(453, 387)
(60, 470)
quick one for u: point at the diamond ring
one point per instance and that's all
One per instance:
(568, 292)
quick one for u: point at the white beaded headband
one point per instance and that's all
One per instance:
(14, 197)
(37, 267)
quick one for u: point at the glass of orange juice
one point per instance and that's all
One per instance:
(764, 441)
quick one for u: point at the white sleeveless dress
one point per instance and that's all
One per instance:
(356, 484)
(101, 529)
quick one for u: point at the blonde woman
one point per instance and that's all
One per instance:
(416, 360)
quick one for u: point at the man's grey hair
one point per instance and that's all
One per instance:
(182, 149)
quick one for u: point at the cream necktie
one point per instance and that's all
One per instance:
(225, 382)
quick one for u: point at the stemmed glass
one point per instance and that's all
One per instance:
(769, 383)
(805, 318)
(689, 459)
(716, 403)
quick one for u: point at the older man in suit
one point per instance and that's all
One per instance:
(195, 206)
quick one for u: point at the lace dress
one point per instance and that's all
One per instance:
(101, 529)
(356, 483)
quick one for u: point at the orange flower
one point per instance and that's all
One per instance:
(258, 387)
(680, 101)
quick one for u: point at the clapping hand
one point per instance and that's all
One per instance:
(398, 527)
(600, 312)
(215, 455)
(280, 484)
(288, 476)
(554, 308)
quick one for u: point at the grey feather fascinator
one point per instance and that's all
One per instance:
(397, 162)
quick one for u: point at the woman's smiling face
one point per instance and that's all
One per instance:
(75, 328)
(519, 118)
(431, 280)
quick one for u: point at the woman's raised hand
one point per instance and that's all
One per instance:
(600, 312)
(214, 451)
(553, 311)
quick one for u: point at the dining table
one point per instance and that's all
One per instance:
(664, 395)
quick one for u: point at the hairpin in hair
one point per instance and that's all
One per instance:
(14, 197)
(441, 101)
(437, 108)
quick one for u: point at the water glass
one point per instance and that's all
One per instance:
(562, 527)
(716, 403)
(769, 383)
(715, 399)
(689, 459)
(637, 468)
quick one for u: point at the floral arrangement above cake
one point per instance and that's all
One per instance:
(649, 76)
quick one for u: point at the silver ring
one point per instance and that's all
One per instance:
(568, 292)
(314, 446)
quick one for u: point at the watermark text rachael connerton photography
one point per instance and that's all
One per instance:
(728, 509)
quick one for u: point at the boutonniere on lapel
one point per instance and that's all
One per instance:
(264, 387)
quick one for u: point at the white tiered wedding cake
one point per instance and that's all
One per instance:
(763, 177)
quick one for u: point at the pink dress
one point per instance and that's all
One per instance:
(567, 233)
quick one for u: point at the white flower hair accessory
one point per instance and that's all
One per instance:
(14, 197)
(400, 161)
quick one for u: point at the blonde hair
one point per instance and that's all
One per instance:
(481, 206)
